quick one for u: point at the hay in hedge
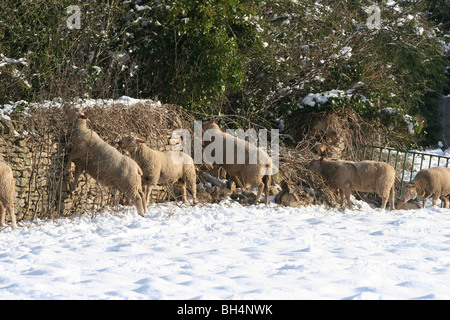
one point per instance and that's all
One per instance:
(309, 187)
(152, 122)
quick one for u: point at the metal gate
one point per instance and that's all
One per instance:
(406, 163)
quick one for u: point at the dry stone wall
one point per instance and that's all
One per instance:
(33, 143)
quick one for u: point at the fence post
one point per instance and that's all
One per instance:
(403, 170)
(412, 166)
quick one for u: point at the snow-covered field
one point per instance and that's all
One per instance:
(229, 251)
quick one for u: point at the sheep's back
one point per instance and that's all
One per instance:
(375, 176)
(434, 180)
(445, 187)
(171, 171)
(106, 164)
(427, 182)
(338, 173)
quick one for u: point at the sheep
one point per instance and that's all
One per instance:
(364, 176)
(257, 174)
(103, 162)
(162, 168)
(434, 183)
(7, 194)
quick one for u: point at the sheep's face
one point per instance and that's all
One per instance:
(314, 165)
(75, 114)
(210, 125)
(408, 192)
(130, 143)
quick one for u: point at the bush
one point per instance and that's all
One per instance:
(256, 60)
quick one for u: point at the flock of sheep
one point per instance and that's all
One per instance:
(137, 174)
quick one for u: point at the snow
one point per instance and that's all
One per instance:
(7, 108)
(4, 61)
(321, 98)
(229, 251)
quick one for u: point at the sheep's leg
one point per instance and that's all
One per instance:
(146, 189)
(2, 215)
(392, 199)
(424, 202)
(266, 194)
(143, 199)
(445, 202)
(383, 202)
(341, 194)
(148, 192)
(139, 203)
(10, 209)
(434, 200)
(258, 196)
(78, 172)
(183, 191)
(266, 181)
(193, 190)
(347, 195)
(139, 207)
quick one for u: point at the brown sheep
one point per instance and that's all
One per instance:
(434, 183)
(363, 176)
(103, 162)
(7, 194)
(256, 174)
(162, 168)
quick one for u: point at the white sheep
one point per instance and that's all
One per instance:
(162, 168)
(7, 194)
(256, 169)
(434, 183)
(103, 162)
(363, 176)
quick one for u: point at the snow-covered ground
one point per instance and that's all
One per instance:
(229, 251)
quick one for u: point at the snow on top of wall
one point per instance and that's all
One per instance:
(6, 109)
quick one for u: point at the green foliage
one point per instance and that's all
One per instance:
(253, 60)
(401, 64)
(193, 49)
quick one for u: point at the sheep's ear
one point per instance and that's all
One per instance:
(321, 159)
(83, 116)
(412, 186)
(140, 140)
(211, 121)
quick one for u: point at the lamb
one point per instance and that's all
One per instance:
(364, 176)
(434, 183)
(162, 168)
(256, 173)
(7, 194)
(103, 162)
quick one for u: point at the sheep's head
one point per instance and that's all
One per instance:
(409, 192)
(130, 142)
(210, 125)
(74, 114)
(314, 165)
